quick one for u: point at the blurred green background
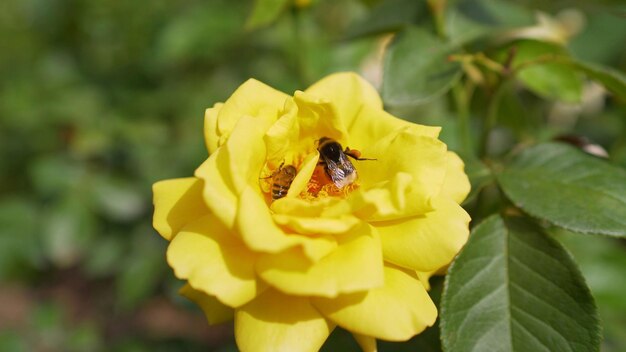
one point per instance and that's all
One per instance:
(100, 99)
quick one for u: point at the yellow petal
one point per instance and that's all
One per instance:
(355, 265)
(358, 105)
(233, 167)
(319, 207)
(259, 232)
(214, 261)
(348, 92)
(280, 323)
(422, 157)
(304, 175)
(456, 185)
(317, 118)
(252, 98)
(218, 191)
(317, 226)
(386, 200)
(245, 151)
(367, 343)
(214, 310)
(424, 278)
(327, 215)
(425, 243)
(176, 203)
(283, 136)
(256, 227)
(371, 124)
(211, 137)
(396, 311)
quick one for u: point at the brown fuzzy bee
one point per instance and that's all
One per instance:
(281, 180)
(336, 163)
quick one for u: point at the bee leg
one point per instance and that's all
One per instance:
(354, 154)
(273, 173)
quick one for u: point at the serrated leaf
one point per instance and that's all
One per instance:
(513, 288)
(265, 12)
(549, 79)
(417, 68)
(569, 188)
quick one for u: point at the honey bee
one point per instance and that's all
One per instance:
(281, 180)
(336, 164)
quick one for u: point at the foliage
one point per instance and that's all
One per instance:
(100, 99)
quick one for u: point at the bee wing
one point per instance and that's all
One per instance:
(341, 173)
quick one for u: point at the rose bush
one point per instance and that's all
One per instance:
(288, 271)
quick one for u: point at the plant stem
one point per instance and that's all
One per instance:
(492, 115)
(437, 8)
(461, 100)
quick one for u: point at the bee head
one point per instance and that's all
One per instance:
(330, 149)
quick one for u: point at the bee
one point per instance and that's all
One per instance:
(281, 180)
(336, 164)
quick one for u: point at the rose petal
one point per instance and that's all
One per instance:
(252, 98)
(396, 311)
(301, 180)
(424, 158)
(456, 185)
(245, 151)
(317, 226)
(213, 309)
(214, 261)
(386, 200)
(355, 265)
(424, 278)
(319, 207)
(218, 191)
(210, 127)
(318, 118)
(372, 124)
(277, 322)
(367, 343)
(176, 203)
(425, 243)
(358, 105)
(348, 92)
(259, 232)
(283, 137)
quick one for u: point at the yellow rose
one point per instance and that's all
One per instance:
(291, 269)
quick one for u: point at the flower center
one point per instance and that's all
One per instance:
(333, 176)
(321, 184)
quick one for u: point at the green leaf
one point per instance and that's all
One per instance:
(602, 30)
(611, 79)
(461, 29)
(387, 16)
(265, 12)
(570, 189)
(551, 79)
(469, 20)
(496, 13)
(417, 69)
(513, 288)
